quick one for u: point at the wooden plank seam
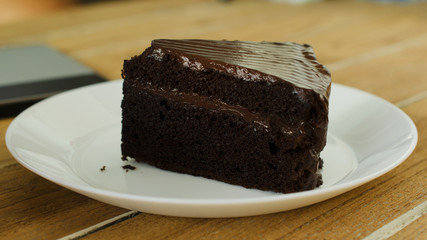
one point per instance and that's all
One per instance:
(399, 223)
(100, 226)
(382, 233)
(413, 99)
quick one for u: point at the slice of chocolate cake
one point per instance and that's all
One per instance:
(253, 114)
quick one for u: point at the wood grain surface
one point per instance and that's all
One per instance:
(379, 48)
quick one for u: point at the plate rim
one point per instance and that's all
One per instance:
(333, 190)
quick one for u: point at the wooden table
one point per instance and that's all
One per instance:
(379, 48)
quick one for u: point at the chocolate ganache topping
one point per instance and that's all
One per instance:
(292, 62)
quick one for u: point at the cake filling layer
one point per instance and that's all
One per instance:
(210, 104)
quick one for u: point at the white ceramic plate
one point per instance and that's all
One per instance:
(69, 137)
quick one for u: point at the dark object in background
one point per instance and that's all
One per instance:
(31, 73)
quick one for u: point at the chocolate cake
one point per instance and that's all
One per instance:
(253, 114)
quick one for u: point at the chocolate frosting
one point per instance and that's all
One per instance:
(252, 61)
